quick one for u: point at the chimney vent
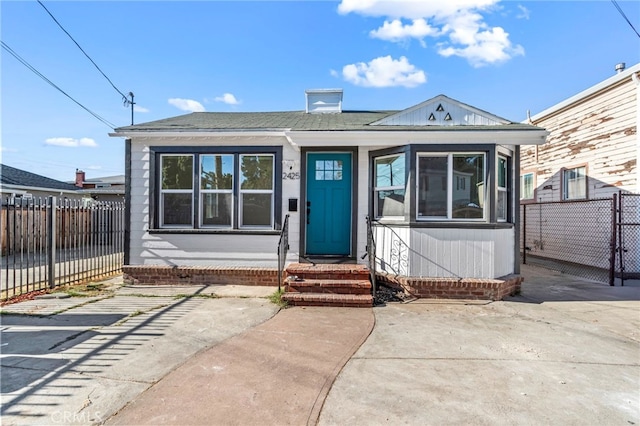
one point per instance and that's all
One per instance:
(620, 67)
(324, 101)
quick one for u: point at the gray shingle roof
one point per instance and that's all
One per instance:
(292, 120)
(12, 176)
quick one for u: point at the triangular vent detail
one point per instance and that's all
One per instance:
(432, 117)
(439, 109)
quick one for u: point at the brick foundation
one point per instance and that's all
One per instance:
(207, 275)
(453, 288)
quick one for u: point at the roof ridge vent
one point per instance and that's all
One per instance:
(323, 101)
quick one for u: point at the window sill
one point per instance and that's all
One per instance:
(450, 224)
(214, 231)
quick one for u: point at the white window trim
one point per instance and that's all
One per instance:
(449, 156)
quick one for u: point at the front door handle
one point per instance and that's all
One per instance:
(308, 214)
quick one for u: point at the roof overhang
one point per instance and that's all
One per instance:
(492, 135)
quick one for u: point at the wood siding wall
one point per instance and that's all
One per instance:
(599, 132)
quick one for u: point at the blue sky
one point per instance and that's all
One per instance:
(505, 57)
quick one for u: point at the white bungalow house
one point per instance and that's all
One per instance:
(208, 192)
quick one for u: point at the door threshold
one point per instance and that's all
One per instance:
(328, 259)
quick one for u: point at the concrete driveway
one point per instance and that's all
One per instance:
(564, 352)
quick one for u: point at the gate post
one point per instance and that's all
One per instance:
(51, 240)
(524, 234)
(612, 242)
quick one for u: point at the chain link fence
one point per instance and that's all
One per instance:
(628, 238)
(572, 237)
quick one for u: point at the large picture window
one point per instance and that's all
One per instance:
(450, 186)
(228, 190)
(390, 176)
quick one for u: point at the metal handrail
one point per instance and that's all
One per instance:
(371, 254)
(283, 248)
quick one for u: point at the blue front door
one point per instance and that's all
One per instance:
(328, 209)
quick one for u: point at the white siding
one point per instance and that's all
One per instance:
(599, 132)
(446, 253)
(206, 249)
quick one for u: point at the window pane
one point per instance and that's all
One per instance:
(390, 203)
(216, 209)
(432, 198)
(216, 172)
(177, 172)
(256, 209)
(390, 171)
(526, 188)
(257, 171)
(575, 183)
(502, 205)
(502, 172)
(467, 200)
(319, 175)
(176, 209)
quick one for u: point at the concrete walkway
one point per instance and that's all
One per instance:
(564, 352)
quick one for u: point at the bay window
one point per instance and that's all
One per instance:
(450, 186)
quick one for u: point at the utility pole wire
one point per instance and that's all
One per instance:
(124, 97)
(615, 3)
(6, 47)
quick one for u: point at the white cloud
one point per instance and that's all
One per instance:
(524, 12)
(384, 72)
(227, 98)
(458, 26)
(187, 104)
(71, 142)
(396, 31)
(138, 108)
(5, 149)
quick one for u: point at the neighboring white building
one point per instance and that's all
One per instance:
(593, 147)
(211, 189)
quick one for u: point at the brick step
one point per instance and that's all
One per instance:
(329, 299)
(328, 271)
(329, 286)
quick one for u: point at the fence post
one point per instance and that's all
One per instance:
(51, 240)
(612, 243)
(524, 234)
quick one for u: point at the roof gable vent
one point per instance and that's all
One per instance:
(323, 101)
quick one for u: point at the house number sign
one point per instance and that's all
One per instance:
(290, 170)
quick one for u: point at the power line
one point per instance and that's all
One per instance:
(39, 74)
(82, 50)
(615, 3)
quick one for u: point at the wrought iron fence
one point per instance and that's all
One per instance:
(48, 242)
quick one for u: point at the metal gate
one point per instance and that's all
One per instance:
(595, 239)
(628, 237)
